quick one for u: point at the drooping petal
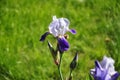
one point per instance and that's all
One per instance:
(107, 77)
(63, 44)
(115, 76)
(72, 31)
(44, 36)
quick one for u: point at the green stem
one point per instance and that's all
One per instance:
(70, 75)
(59, 68)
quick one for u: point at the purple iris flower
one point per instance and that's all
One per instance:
(63, 44)
(58, 27)
(104, 70)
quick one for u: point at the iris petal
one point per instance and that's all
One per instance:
(59, 26)
(63, 44)
(72, 31)
(97, 64)
(100, 73)
(115, 76)
(44, 36)
(104, 70)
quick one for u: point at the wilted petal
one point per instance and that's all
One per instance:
(63, 44)
(44, 36)
(72, 31)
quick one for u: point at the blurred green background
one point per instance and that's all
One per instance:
(22, 22)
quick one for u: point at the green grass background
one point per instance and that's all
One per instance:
(22, 22)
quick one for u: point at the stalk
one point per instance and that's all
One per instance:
(59, 68)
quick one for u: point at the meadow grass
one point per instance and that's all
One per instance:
(22, 22)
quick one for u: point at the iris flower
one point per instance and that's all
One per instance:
(58, 27)
(104, 70)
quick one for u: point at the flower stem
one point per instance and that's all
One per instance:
(70, 75)
(59, 68)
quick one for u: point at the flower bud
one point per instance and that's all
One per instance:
(74, 62)
(54, 53)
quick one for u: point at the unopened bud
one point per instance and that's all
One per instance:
(54, 53)
(51, 48)
(74, 62)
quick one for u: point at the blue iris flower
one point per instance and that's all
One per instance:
(58, 27)
(104, 70)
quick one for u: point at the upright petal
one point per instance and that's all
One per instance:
(63, 44)
(64, 22)
(54, 18)
(44, 36)
(97, 64)
(107, 62)
(98, 71)
(100, 74)
(59, 26)
(54, 27)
